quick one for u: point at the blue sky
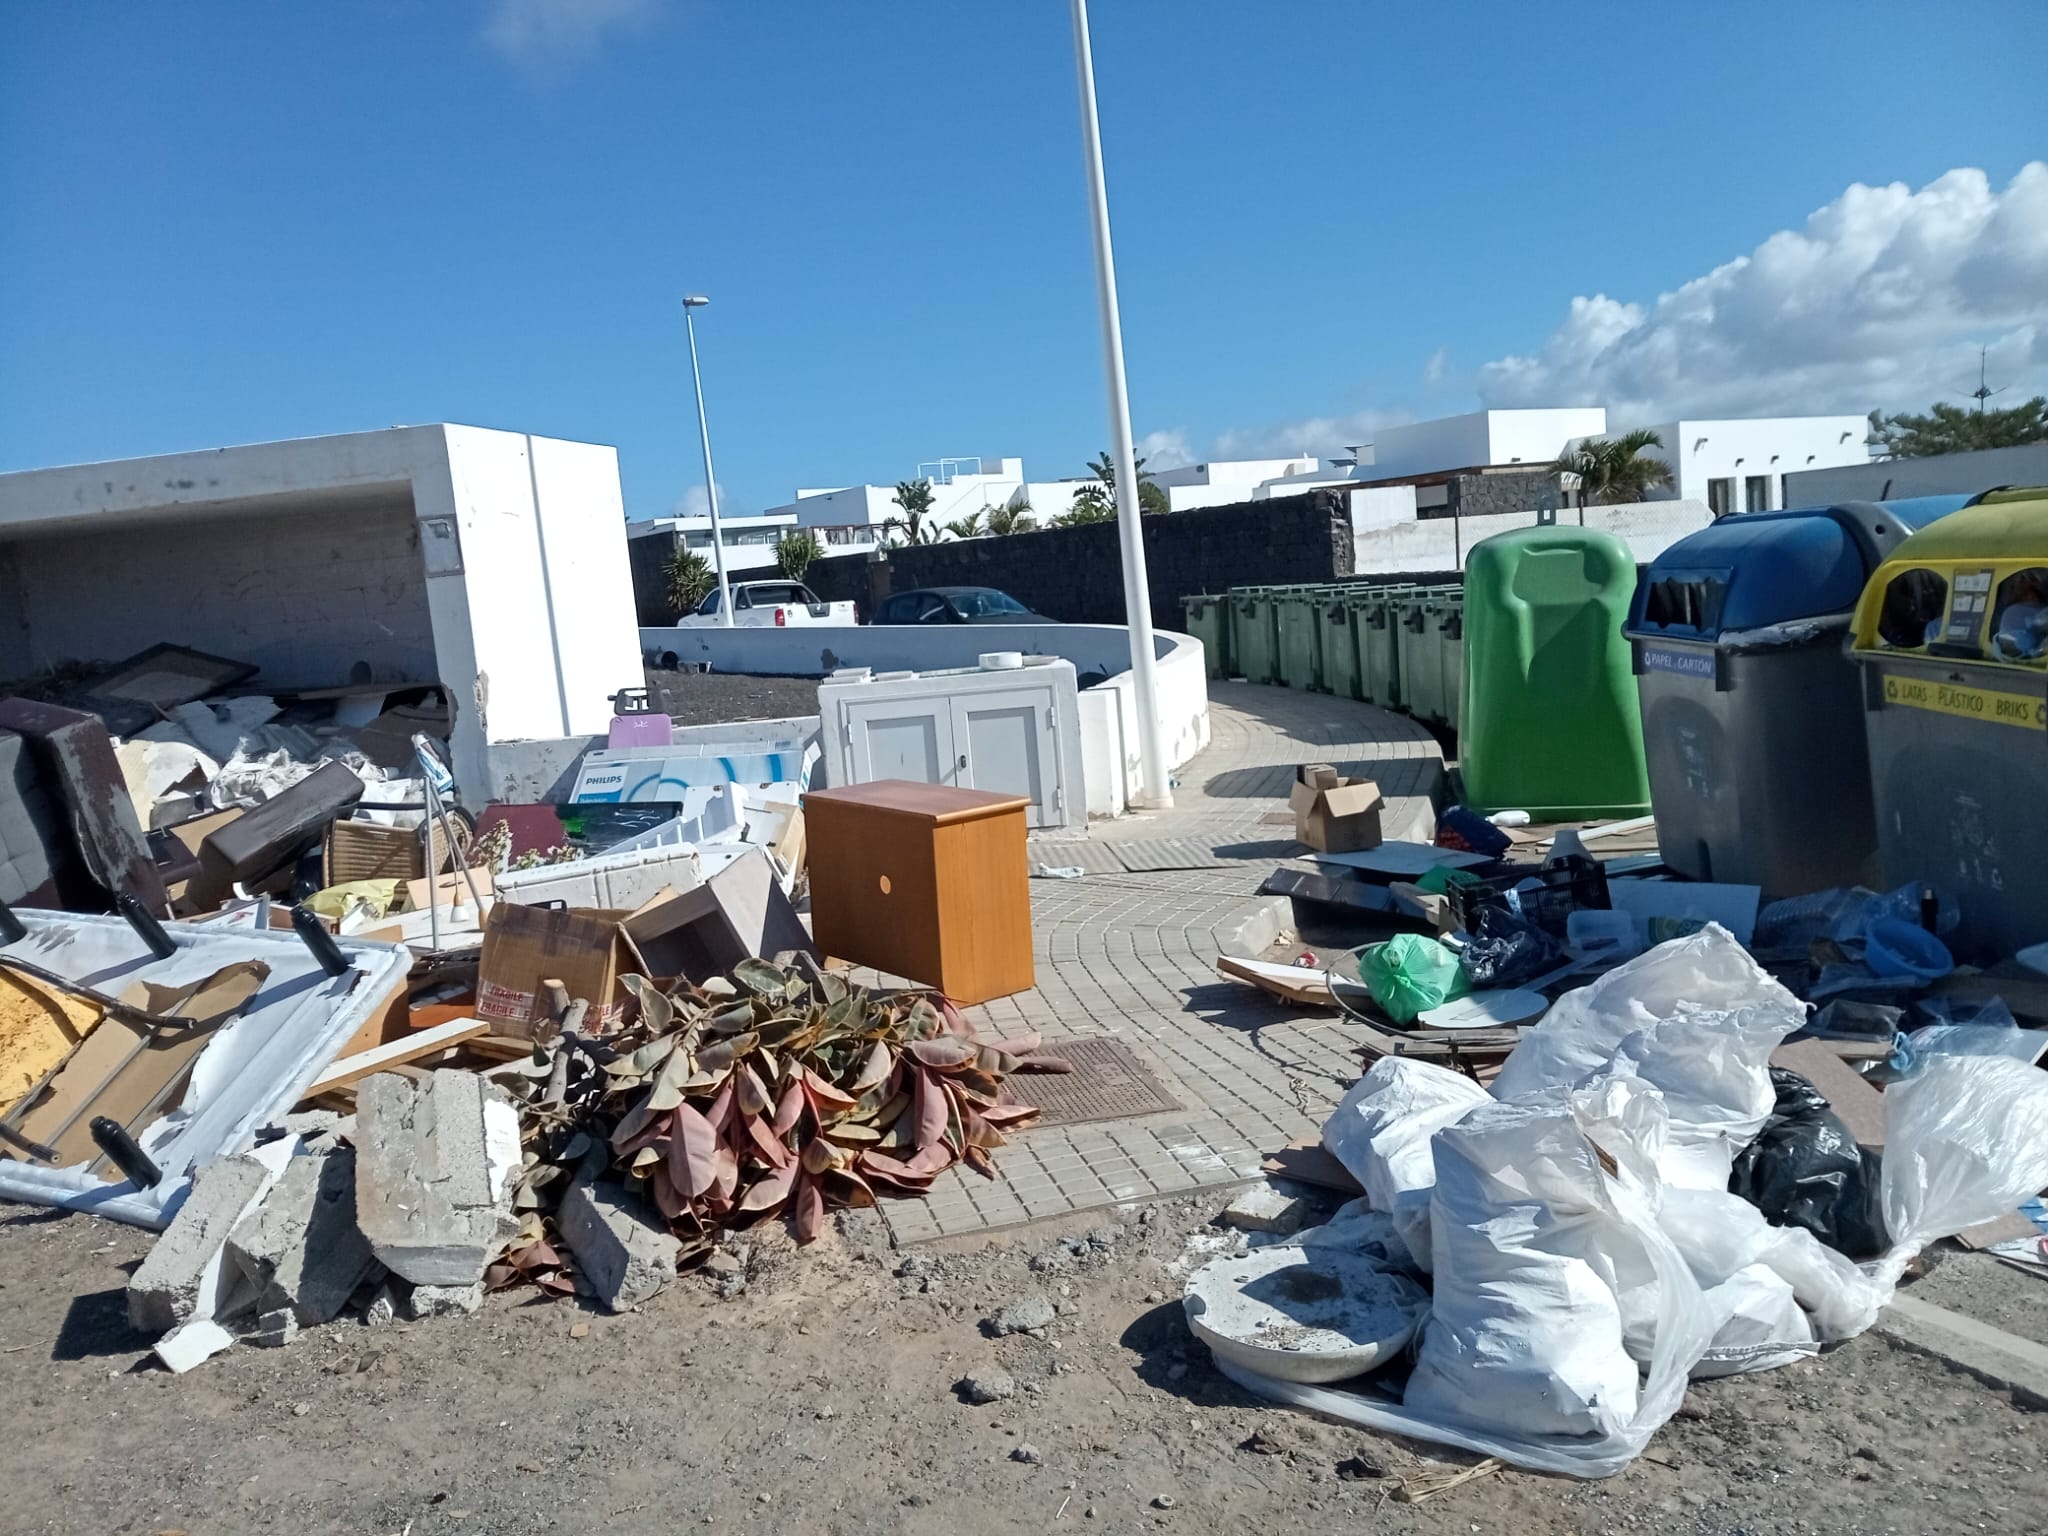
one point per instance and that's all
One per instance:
(232, 222)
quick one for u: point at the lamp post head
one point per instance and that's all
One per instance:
(694, 301)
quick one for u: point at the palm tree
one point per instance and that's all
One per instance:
(1014, 517)
(1151, 499)
(686, 578)
(915, 498)
(968, 527)
(795, 551)
(1610, 469)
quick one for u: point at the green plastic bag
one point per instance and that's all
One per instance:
(1409, 973)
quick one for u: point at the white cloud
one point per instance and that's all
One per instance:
(1168, 449)
(694, 503)
(1880, 300)
(550, 33)
(1437, 371)
(1326, 437)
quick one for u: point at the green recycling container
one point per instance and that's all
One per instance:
(1951, 638)
(1422, 679)
(1550, 720)
(1300, 638)
(1253, 644)
(1336, 608)
(1208, 620)
(1379, 657)
(1450, 642)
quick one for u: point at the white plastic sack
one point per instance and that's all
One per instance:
(1381, 1130)
(1358, 1228)
(1524, 1356)
(1697, 1018)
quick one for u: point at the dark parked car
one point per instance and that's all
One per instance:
(956, 605)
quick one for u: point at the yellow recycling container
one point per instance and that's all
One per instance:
(1952, 635)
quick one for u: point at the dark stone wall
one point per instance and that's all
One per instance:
(1515, 490)
(1076, 574)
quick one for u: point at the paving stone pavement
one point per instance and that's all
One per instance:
(1134, 956)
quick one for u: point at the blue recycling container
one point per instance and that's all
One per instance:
(1753, 718)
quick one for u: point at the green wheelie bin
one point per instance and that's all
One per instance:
(1300, 638)
(1208, 620)
(1252, 641)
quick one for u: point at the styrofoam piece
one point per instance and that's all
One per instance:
(1304, 1314)
(1490, 1009)
(252, 1071)
(1001, 661)
(1734, 907)
(611, 881)
(709, 811)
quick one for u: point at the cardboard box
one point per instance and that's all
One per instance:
(586, 951)
(1333, 814)
(738, 912)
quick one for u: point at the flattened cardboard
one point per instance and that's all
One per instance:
(1336, 817)
(1858, 1105)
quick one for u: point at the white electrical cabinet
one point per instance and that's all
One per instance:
(1013, 726)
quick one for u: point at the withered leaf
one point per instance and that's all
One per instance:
(790, 1108)
(943, 1051)
(692, 1154)
(810, 1210)
(881, 1061)
(721, 1054)
(754, 1095)
(770, 1190)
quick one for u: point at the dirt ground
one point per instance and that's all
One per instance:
(823, 1398)
(706, 698)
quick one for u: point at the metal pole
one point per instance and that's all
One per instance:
(1157, 791)
(710, 481)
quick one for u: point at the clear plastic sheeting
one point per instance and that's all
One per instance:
(1582, 1271)
(1696, 1017)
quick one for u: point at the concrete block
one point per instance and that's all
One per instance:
(300, 1246)
(424, 1301)
(273, 1330)
(181, 1277)
(1266, 1208)
(434, 1169)
(622, 1252)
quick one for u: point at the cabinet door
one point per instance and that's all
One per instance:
(1006, 740)
(903, 739)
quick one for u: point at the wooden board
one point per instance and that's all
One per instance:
(383, 1058)
(1290, 983)
(1309, 1162)
(1855, 1102)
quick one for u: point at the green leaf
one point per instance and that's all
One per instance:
(760, 976)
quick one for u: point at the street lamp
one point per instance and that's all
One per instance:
(1157, 788)
(690, 302)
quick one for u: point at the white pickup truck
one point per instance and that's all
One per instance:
(755, 605)
(764, 604)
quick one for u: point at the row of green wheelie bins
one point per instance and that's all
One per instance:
(1398, 645)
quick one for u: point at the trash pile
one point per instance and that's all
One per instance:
(1635, 1200)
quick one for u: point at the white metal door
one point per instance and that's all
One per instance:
(1006, 740)
(910, 738)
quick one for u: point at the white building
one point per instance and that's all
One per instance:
(1481, 439)
(1225, 482)
(1740, 464)
(749, 541)
(492, 563)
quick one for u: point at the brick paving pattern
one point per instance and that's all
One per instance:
(1133, 956)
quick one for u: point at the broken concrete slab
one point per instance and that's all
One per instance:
(421, 1302)
(182, 1277)
(300, 1247)
(1266, 1208)
(622, 1251)
(273, 1329)
(434, 1169)
(1021, 1314)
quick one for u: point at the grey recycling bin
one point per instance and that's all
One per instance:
(1752, 711)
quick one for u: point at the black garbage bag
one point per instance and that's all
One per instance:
(1507, 950)
(1805, 1170)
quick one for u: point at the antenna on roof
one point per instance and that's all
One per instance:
(1980, 394)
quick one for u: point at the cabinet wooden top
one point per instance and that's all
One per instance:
(935, 803)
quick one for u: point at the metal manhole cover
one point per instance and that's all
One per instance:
(1109, 1082)
(1146, 855)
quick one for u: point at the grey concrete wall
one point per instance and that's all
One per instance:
(1076, 574)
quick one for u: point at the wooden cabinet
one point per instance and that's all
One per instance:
(923, 881)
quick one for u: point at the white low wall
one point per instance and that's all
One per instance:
(1441, 543)
(1101, 654)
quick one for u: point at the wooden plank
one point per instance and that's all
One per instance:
(1309, 1162)
(382, 1058)
(1289, 983)
(1855, 1102)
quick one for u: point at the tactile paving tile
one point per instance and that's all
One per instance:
(1108, 1082)
(1089, 858)
(1144, 855)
